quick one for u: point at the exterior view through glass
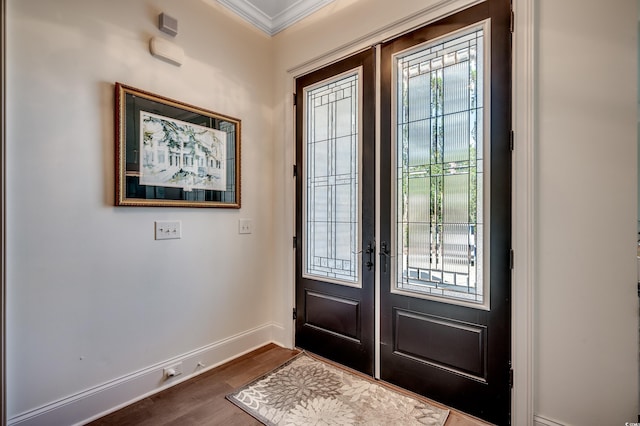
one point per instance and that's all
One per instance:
(440, 166)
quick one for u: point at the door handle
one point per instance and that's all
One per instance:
(384, 251)
(371, 248)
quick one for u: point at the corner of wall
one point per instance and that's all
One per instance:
(3, 382)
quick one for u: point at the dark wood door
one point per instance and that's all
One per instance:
(335, 248)
(446, 211)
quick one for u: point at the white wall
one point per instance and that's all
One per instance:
(91, 295)
(587, 305)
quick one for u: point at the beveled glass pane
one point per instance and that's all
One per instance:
(320, 120)
(419, 142)
(456, 137)
(345, 147)
(344, 196)
(331, 224)
(439, 174)
(418, 97)
(320, 158)
(455, 249)
(344, 121)
(419, 245)
(455, 83)
(418, 199)
(456, 198)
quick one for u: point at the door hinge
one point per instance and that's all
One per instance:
(511, 260)
(512, 23)
(511, 378)
(295, 100)
(295, 170)
(295, 314)
(511, 140)
(295, 242)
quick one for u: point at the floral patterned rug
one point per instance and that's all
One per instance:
(307, 391)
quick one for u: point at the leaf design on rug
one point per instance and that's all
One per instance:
(356, 389)
(300, 383)
(273, 414)
(321, 412)
(431, 417)
(251, 397)
(383, 406)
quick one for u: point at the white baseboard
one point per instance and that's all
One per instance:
(103, 399)
(543, 421)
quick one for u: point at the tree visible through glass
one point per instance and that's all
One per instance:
(439, 175)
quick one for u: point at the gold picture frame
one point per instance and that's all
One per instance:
(172, 154)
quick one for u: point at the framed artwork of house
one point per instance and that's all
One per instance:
(169, 153)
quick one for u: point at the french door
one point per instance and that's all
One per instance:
(443, 246)
(335, 194)
(445, 289)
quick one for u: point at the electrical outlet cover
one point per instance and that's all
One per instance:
(172, 370)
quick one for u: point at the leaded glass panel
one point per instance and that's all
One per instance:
(331, 191)
(439, 176)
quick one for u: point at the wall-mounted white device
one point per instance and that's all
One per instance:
(167, 51)
(168, 24)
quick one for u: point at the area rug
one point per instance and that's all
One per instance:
(308, 391)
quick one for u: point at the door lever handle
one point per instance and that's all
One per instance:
(384, 251)
(371, 248)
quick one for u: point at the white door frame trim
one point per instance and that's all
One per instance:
(524, 202)
(3, 198)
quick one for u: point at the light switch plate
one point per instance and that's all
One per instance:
(245, 226)
(168, 229)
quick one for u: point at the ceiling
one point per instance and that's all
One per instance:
(272, 16)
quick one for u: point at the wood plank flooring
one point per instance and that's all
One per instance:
(201, 400)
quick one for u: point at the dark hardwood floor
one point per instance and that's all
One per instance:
(201, 400)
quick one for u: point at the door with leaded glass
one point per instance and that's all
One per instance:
(335, 206)
(446, 211)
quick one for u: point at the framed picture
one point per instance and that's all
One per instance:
(169, 153)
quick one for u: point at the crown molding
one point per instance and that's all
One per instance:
(276, 22)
